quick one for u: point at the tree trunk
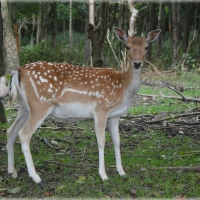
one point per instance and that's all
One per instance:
(43, 35)
(87, 49)
(160, 20)
(97, 35)
(16, 33)
(179, 21)
(64, 27)
(39, 24)
(126, 19)
(33, 29)
(91, 12)
(175, 33)
(54, 24)
(2, 67)
(188, 22)
(152, 24)
(11, 57)
(70, 23)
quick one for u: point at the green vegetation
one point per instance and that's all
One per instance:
(66, 154)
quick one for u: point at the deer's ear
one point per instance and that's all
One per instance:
(152, 36)
(120, 34)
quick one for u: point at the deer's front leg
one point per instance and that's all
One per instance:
(100, 124)
(113, 125)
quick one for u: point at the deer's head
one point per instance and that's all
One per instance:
(136, 46)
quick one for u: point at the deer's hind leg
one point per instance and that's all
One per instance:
(35, 119)
(12, 134)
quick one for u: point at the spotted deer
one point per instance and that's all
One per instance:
(75, 93)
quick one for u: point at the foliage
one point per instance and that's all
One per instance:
(63, 53)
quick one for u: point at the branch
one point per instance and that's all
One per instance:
(185, 169)
(171, 97)
(154, 67)
(177, 92)
(74, 165)
(108, 33)
(173, 117)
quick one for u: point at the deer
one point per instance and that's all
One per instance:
(74, 93)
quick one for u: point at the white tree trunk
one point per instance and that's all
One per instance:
(134, 13)
(91, 21)
(91, 12)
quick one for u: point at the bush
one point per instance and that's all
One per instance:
(63, 52)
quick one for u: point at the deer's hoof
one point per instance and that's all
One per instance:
(41, 184)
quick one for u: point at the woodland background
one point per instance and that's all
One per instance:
(57, 31)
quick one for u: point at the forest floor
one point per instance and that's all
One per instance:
(160, 147)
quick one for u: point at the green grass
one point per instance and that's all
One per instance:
(143, 148)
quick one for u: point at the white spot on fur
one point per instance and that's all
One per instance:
(34, 87)
(43, 80)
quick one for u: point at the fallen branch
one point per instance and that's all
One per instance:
(173, 117)
(46, 141)
(74, 165)
(191, 88)
(188, 99)
(185, 155)
(177, 92)
(185, 169)
(180, 98)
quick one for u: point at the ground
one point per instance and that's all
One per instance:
(154, 155)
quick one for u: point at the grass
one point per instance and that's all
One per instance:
(143, 147)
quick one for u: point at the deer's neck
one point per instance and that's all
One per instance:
(132, 82)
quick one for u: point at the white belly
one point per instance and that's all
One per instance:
(118, 111)
(73, 111)
(80, 111)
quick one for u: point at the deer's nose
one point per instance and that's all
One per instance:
(137, 64)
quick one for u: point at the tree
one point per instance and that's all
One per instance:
(11, 58)
(188, 22)
(151, 25)
(2, 67)
(160, 21)
(87, 45)
(70, 23)
(175, 33)
(97, 35)
(54, 23)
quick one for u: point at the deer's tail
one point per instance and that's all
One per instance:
(14, 88)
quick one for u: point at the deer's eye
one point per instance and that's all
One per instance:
(128, 48)
(146, 48)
